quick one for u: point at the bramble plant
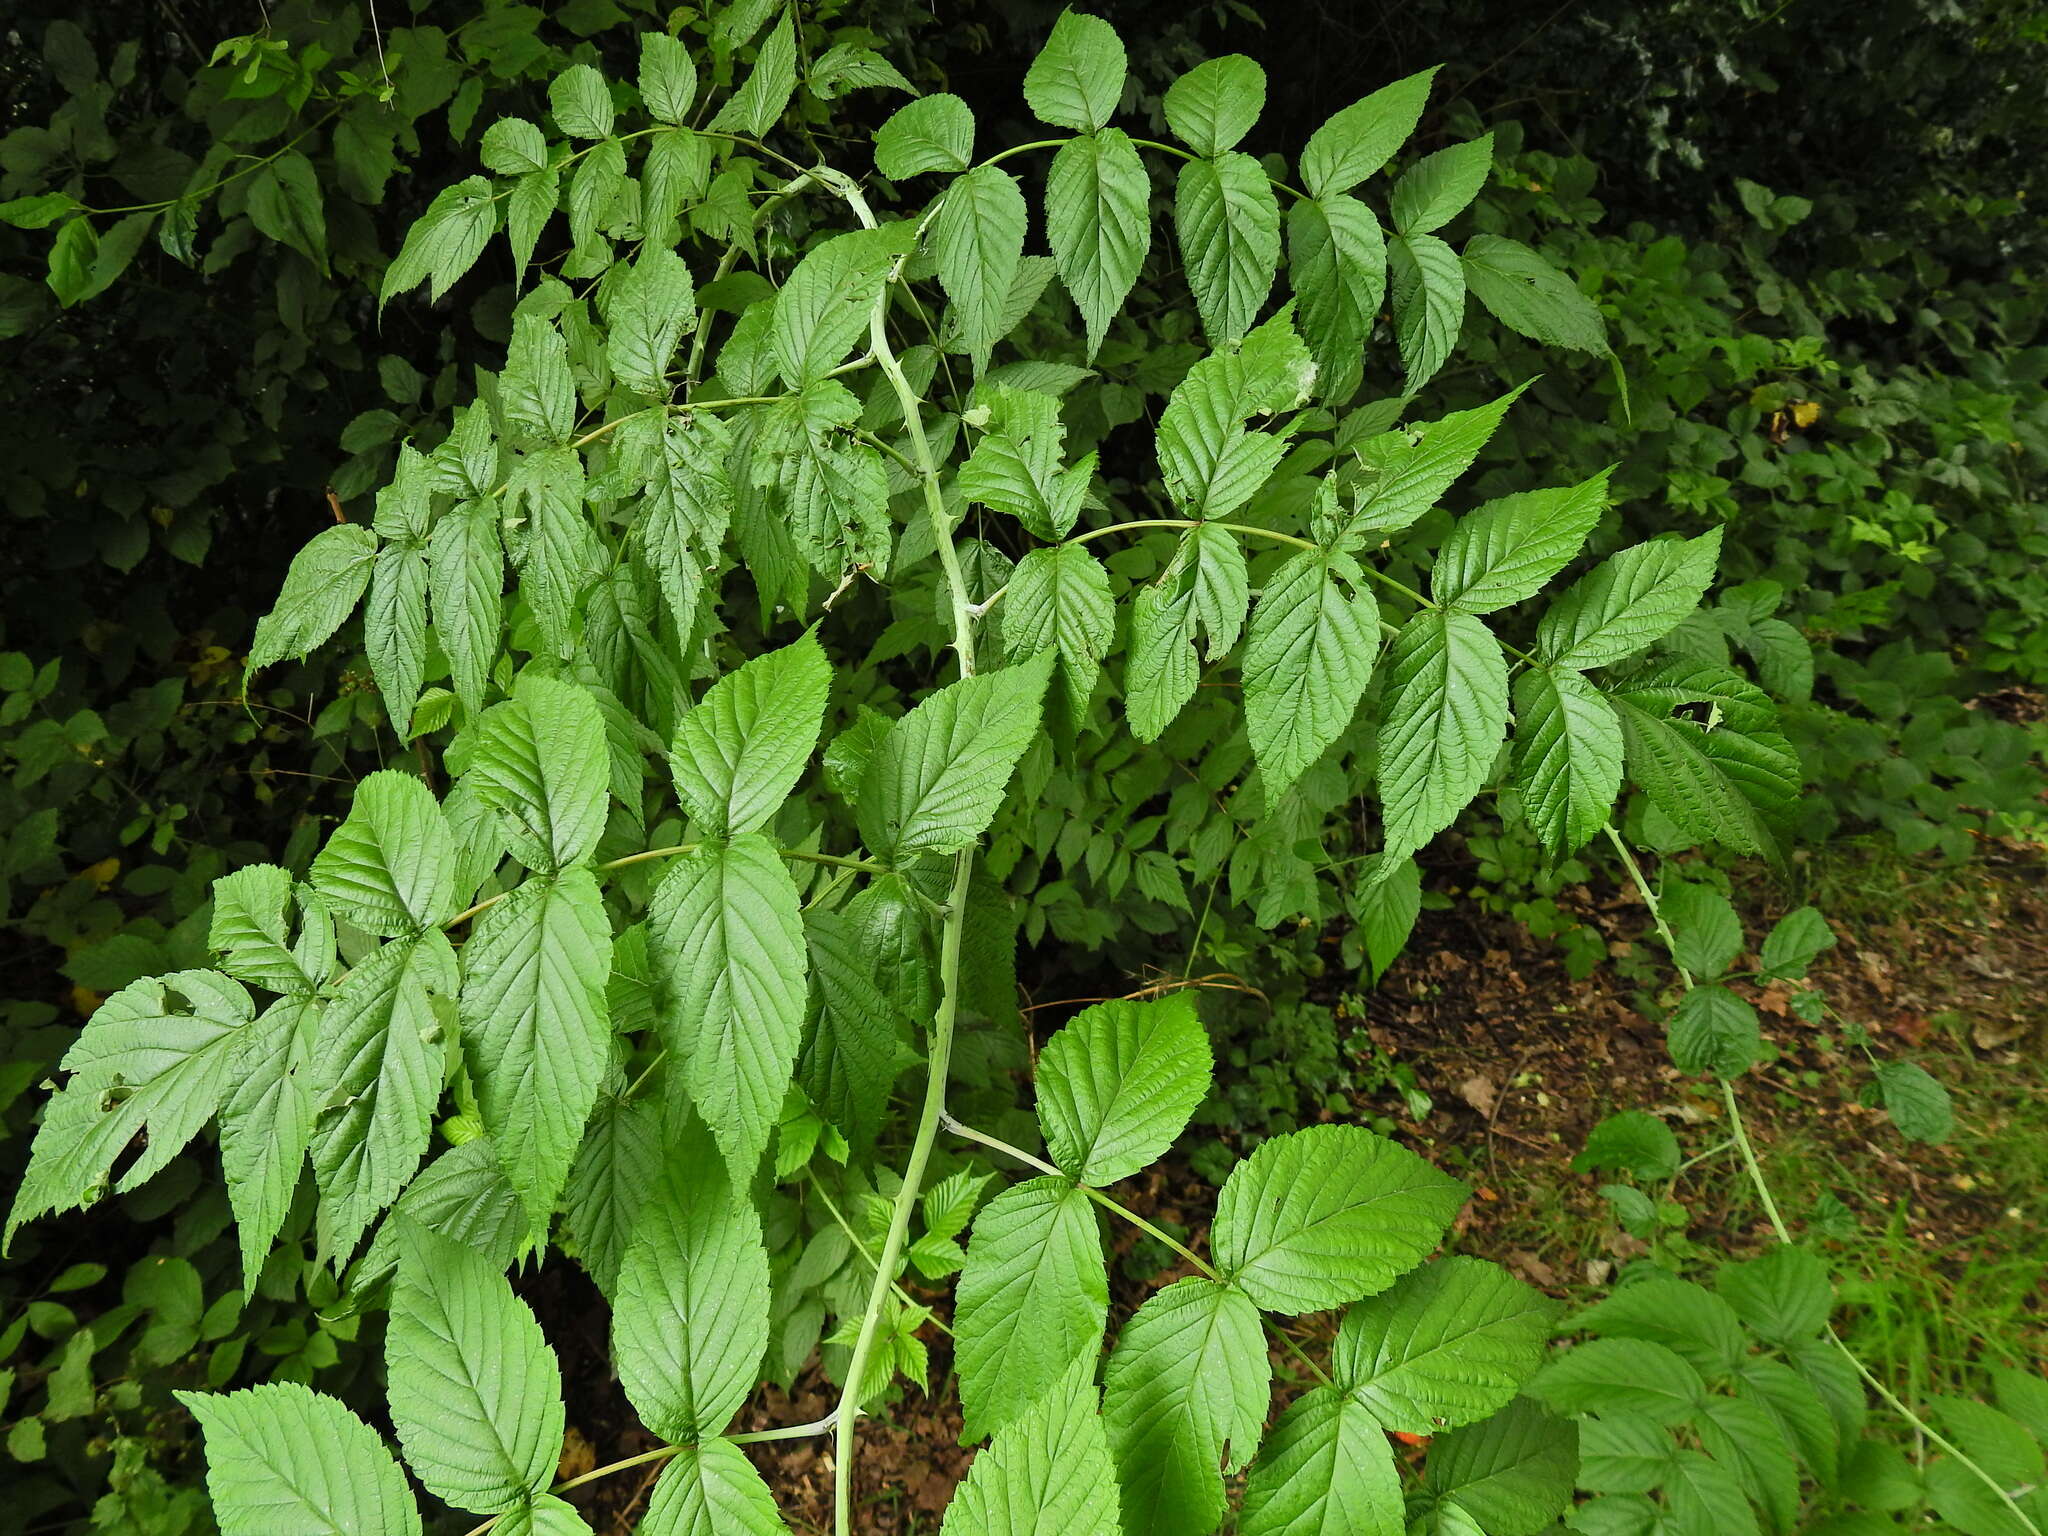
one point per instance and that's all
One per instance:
(660, 1021)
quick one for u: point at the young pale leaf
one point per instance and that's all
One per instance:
(977, 239)
(1325, 1468)
(758, 104)
(1307, 659)
(1448, 1344)
(1357, 141)
(1059, 601)
(1116, 1085)
(1527, 294)
(1410, 470)
(1628, 600)
(1512, 1474)
(1567, 757)
(1078, 76)
(321, 590)
(728, 940)
(1446, 712)
(1185, 1391)
(650, 309)
(936, 781)
(711, 1490)
(535, 1033)
(444, 242)
(540, 763)
(282, 1460)
(1337, 262)
(827, 303)
(1917, 1102)
(1215, 104)
(739, 752)
(1048, 1472)
(476, 1396)
(390, 867)
(266, 1123)
(1714, 1031)
(1621, 1377)
(144, 1063)
(933, 133)
(1439, 187)
(377, 1068)
(668, 77)
(466, 582)
(1429, 304)
(691, 1320)
(1509, 549)
(1690, 1321)
(1322, 1216)
(1097, 224)
(1229, 225)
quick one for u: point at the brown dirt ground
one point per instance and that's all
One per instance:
(1521, 1060)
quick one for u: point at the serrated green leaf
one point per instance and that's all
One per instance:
(1337, 263)
(476, 1396)
(728, 941)
(1049, 1472)
(1097, 224)
(1704, 1496)
(1627, 601)
(1512, 1473)
(1228, 220)
(1567, 757)
(284, 1461)
(668, 77)
(938, 777)
(650, 309)
(377, 1068)
(1446, 712)
(1325, 1469)
(1322, 1216)
(1526, 293)
(553, 545)
(1408, 471)
(616, 1166)
(535, 1032)
(1215, 104)
(1795, 941)
(1059, 601)
(444, 242)
(1032, 1300)
(1741, 1435)
(1205, 584)
(1509, 549)
(540, 763)
(691, 1320)
(581, 103)
(1719, 785)
(144, 1063)
(266, 1123)
(1623, 1455)
(851, 1057)
(711, 1490)
(1714, 1031)
(390, 867)
(1685, 1318)
(285, 205)
(827, 303)
(1117, 1084)
(977, 239)
(463, 1195)
(1211, 465)
(248, 932)
(1439, 187)
(740, 750)
(933, 133)
(1447, 1345)
(1621, 1376)
(1917, 1103)
(1307, 659)
(1385, 909)
(395, 628)
(1185, 1391)
(1429, 304)
(1078, 76)
(1703, 921)
(466, 582)
(1361, 138)
(326, 581)
(758, 104)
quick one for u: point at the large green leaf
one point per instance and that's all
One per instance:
(1429, 304)
(1783, 1294)
(711, 1490)
(540, 763)
(1446, 1345)
(535, 1032)
(826, 304)
(476, 1396)
(1509, 549)
(463, 1195)
(1059, 601)
(1337, 263)
(322, 588)
(1047, 1474)
(1307, 659)
(651, 307)
(1446, 711)
(1325, 1470)
(1117, 1084)
(1408, 471)
(377, 1069)
(1097, 224)
(739, 752)
(1525, 292)
(154, 1059)
(933, 133)
(1361, 138)
(1567, 757)
(1216, 103)
(1721, 785)
(977, 240)
(1229, 225)
(1512, 1473)
(390, 867)
(1322, 1216)
(1078, 76)
(690, 1323)
(1628, 600)
(728, 941)
(1437, 188)
(1621, 1376)
(284, 1461)
(248, 931)
(1032, 1300)
(1185, 1393)
(266, 1122)
(466, 583)
(938, 777)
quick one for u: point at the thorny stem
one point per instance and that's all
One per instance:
(1739, 1134)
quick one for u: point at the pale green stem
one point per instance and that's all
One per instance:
(1739, 1134)
(1187, 522)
